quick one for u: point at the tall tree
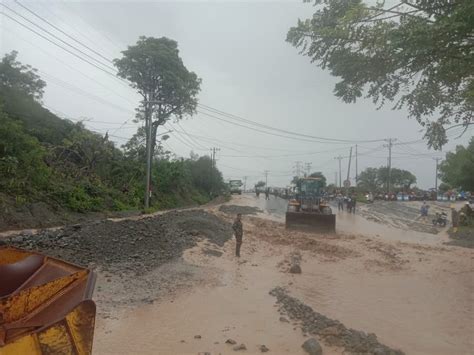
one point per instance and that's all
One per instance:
(168, 89)
(457, 169)
(417, 54)
(320, 175)
(399, 178)
(368, 179)
(153, 67)
(20, 77)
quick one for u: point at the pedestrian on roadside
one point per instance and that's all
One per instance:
(349, 204)
(353, 204)
(424, 211)
(340, 202)
(239, 233)
(267, 194)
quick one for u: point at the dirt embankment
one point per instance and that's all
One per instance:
(44, 215)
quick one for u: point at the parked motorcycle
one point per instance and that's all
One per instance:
(440, 219)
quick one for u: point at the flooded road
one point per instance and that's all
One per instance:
(413, 293)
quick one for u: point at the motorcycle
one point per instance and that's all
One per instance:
(440, 219)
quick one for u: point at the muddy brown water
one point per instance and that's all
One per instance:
(423, 305)
(409, 289)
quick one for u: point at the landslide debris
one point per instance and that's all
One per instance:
(234, 209)
(147, 242)
(330, 331)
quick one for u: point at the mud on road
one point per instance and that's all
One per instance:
(165, 279)
(403, 215)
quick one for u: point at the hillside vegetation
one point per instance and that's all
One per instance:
(66, 167)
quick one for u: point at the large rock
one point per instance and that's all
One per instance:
(312, 347)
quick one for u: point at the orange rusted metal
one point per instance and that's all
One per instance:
(45, 305)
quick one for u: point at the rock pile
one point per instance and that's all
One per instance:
(332, 332)
(144, 244)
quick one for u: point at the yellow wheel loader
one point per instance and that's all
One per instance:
(308, 210)
(45, 305)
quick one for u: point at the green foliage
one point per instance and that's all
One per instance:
(320, 175)
(443, 187)
(22, 78)
(45, 158)
(417, 54)
(367, 179)
(22, 168)
(260, 184)
(457, 169)
(375, 179)
(153, 67)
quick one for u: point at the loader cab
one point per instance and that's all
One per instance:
(310, 186)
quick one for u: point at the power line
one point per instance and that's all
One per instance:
(58, 38)
(247, 121)
(56, 44)
(266, 132)
(63, 32)
(69, 66)
(74, 88)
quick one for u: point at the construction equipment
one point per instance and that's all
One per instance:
(308, 210)
(45, 305)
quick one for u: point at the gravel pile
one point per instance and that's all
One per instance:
(146, 243)
(332, 332)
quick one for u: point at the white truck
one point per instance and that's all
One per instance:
(235, 186)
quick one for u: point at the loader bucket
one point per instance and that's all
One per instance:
(45, 305)
(308, 221)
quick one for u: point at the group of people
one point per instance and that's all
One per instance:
(349, 201)
(267, 193)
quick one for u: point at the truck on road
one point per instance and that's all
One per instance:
(235, 186)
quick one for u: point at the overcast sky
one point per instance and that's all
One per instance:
(247, 69)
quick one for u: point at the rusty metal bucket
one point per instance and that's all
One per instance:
(45, 305)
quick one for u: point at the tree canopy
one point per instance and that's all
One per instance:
(320, 175)
(153, 67)
(375, 179)
(457, 170)
(20, 77)
(416, 54)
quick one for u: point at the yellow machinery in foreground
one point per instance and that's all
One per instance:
(308, 210)
(45, 305)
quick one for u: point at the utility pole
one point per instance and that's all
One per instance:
(357, 171)
(149, 144)
(436, 177)
(335, 178)
(340, 174)
(298, 168)
(266, 178)
(148, 127)
(308, 168)
(389, 164)
(245, 183)
(213, 163)
(349, 165)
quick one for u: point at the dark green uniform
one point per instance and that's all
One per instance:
(238, 232)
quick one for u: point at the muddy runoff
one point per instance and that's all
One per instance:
(171, 284)
(331, 331)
